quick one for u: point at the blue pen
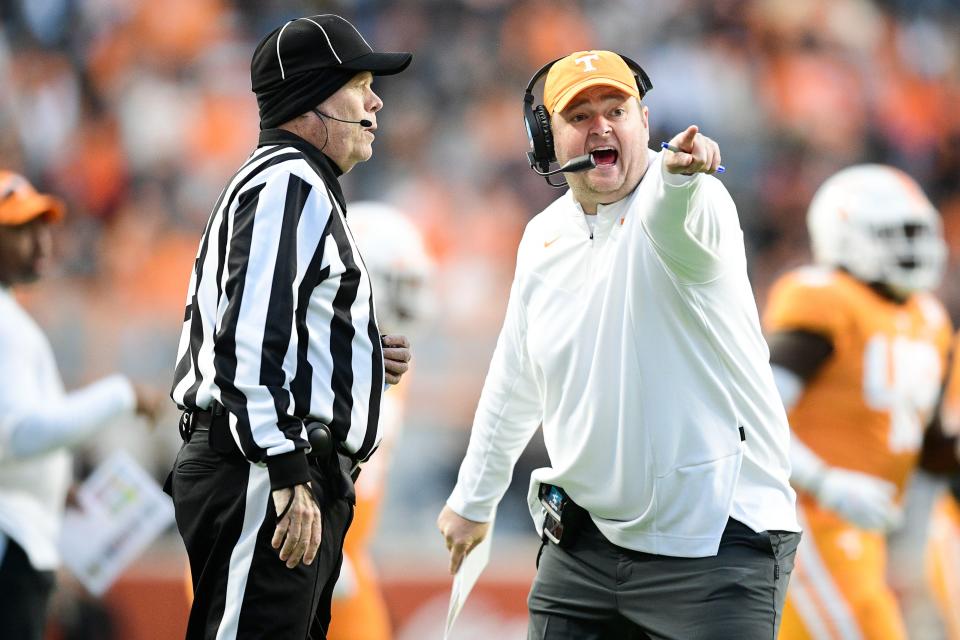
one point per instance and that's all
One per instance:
(670, 147)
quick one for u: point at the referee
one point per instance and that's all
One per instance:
(280, 338)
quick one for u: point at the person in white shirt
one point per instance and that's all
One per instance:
(39, 421)
(632, 335)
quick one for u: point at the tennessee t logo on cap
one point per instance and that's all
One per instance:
(582, 70)
(586, 60)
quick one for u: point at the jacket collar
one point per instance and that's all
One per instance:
(321, 163)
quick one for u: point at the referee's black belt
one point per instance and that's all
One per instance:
(196, 421)
(216, 419)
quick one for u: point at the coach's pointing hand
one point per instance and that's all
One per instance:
(698, 153)
(460, 534)
(298, 525)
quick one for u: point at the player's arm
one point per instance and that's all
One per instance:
(940, 453)
(795, 357)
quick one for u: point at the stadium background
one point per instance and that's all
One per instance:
(136, 111)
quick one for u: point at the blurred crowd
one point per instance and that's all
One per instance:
(137, 111)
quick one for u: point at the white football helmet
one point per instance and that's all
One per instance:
(876, 222)
(396, 258)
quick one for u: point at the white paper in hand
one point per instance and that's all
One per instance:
(122, 510)
(470, 569)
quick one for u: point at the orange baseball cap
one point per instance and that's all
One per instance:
(20, 202)
(582, 70)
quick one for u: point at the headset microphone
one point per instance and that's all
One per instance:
(362, 123)
(574, 165)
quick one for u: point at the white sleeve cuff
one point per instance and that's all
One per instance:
(476, 513)
(676, 179)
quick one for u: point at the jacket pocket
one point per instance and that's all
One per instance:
(694, 500)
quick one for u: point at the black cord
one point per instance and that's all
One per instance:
(326, 132)
(289, 504)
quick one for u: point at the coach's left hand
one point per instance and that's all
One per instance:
(396, 357)
(460, 535)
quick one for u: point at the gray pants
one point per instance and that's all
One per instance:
(596, 590)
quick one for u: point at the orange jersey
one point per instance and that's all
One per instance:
(867, 406)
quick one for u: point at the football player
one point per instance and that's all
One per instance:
(858, 347)
(400, 267)
(943, 553)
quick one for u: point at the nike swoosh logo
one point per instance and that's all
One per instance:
(547, 244)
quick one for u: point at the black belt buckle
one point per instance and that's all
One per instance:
(562, 517)
(185, 426)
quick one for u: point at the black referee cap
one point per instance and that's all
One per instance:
(316, 43)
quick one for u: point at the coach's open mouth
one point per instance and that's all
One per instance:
(605, 156)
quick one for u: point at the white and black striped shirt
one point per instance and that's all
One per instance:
(279, 323)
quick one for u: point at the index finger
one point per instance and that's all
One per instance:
(456, 558)
(394, 341)
(685, 139)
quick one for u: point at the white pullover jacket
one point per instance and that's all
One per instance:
(638, 348)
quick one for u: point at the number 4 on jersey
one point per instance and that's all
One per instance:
(902, 377)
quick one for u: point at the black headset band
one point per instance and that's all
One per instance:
(539, 74)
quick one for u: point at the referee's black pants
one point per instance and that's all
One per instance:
(226, 516)
(595, 590)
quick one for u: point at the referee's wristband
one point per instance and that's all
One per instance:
(288, 469)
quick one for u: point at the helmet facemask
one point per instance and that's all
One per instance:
(907, 257)
(875, 222)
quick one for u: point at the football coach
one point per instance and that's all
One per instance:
(632, 335)
(281, 365)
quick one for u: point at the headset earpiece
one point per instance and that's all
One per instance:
(541, 139)
(537, 122)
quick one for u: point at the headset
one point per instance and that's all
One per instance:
(537, 121)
